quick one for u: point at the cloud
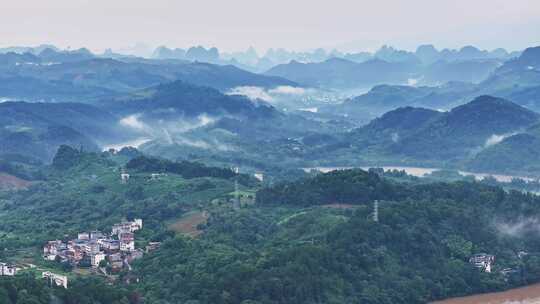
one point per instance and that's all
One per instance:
(136, 143)
(287, 90)
(5, 99)
(182, 125)
(132, 121)
(495, 139)
(520, 227)
(412, 82)
(395, 137)
(252, 93)
(311, 110)
(271, 95)
(209, 144)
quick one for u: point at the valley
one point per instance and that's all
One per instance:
(191, 174)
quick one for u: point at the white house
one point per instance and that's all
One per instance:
(96, 258)
(136, 224)
(53, 278)
(124, 177)
(259, 176)
(482, 261)
(127, 246)
(83, 236)
(7, 270)
(124, 227)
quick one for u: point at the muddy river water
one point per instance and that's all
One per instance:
(524, 295)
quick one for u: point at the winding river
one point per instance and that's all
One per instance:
(421, 172)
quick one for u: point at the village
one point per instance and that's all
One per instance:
(108, 253)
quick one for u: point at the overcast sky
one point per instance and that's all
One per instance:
(293, 24)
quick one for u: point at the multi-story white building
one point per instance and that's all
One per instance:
(7, 270)
(125, 227)
(110, 245)
(96, 235)
(127, 246)
(91, 247)
(96, 258)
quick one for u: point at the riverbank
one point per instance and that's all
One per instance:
(523, 295)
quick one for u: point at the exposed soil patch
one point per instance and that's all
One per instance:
(10, 182)
(188, 224)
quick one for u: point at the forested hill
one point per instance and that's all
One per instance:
(26, 289)
(179, 98)
(298, 246)
(88, 185)
(310, 241)
(336, 187)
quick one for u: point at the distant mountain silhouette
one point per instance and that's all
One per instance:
(466, 128)
(456, 134)
(37, 130)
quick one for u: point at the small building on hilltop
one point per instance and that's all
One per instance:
(482, 261)
(55, 279)
(124, 177)
(96, 258)
(153, 246)
(126, 227)
(7, 270)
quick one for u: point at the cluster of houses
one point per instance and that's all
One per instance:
(91, 248)
(7, 269)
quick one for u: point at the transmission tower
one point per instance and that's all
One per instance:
(236, 194)
(376, 211)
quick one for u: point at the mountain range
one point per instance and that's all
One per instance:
(251, 60)
(488, 134)
(179, 109)
(517, 80)
(80, 76)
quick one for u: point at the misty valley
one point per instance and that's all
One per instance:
(197, 176)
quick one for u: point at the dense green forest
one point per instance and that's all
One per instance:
(25, 289)
(313, 240)
(286, 252)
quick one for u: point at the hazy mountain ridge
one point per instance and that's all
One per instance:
(38, 129)
(466, 128)
(514, 153)
(178, 99)
(251, 60)
(86, 79)
(517, 80)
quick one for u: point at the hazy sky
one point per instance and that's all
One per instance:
(292, 24)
